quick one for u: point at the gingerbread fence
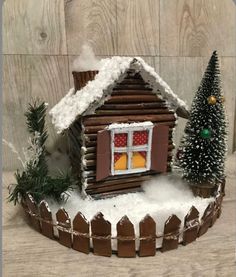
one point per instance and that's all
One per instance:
(95, 236)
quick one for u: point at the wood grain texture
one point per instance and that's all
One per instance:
(49, 78)
(138, 27)
(16, 93)
(26, 78)
(28, 253)
(34, 27)
(228, 71)
(197, 27)
(45, 28)
(184, 74)
(234, 135)
(92, 22)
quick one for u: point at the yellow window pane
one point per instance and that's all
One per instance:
(120, 161)
(139, 159)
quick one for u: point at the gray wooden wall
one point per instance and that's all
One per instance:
(41, 39)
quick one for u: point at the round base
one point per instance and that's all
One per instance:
(95, 236)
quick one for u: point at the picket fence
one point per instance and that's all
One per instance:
(77, 234)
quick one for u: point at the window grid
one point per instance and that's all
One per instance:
(129, 149)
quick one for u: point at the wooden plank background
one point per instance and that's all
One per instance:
(42, 38)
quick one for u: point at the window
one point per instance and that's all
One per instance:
(131, 147)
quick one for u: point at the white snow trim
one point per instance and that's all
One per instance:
(162, 197)
(73, 104)
(145, 124)
(157, 82)
(62, 116)
(45, 203)
(111, 70)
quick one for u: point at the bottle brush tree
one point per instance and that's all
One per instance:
(203, 147)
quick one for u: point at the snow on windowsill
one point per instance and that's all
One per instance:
(144, 124)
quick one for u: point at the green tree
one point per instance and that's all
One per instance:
(35, 178)
(203, 148)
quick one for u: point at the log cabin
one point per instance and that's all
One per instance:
(119, 121)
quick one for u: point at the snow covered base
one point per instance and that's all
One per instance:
(162, 197)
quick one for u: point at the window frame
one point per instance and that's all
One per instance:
(130, 148)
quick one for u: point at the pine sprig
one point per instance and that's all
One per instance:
(40, 186)
(34, 179)
(35, 119)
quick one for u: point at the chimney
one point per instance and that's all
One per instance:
(81, 78)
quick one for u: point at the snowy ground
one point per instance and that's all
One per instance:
(162, 197)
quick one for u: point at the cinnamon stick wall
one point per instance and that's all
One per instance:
(132, 100)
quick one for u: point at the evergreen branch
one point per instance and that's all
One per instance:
(35, 179)
(41, 186)
(35, 120)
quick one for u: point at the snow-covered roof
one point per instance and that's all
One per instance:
(93, 95)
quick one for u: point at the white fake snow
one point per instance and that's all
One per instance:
(163, 197)
(130, 125)
(86, 60)
(111, 69)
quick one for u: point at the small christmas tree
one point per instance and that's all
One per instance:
(203, 148)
